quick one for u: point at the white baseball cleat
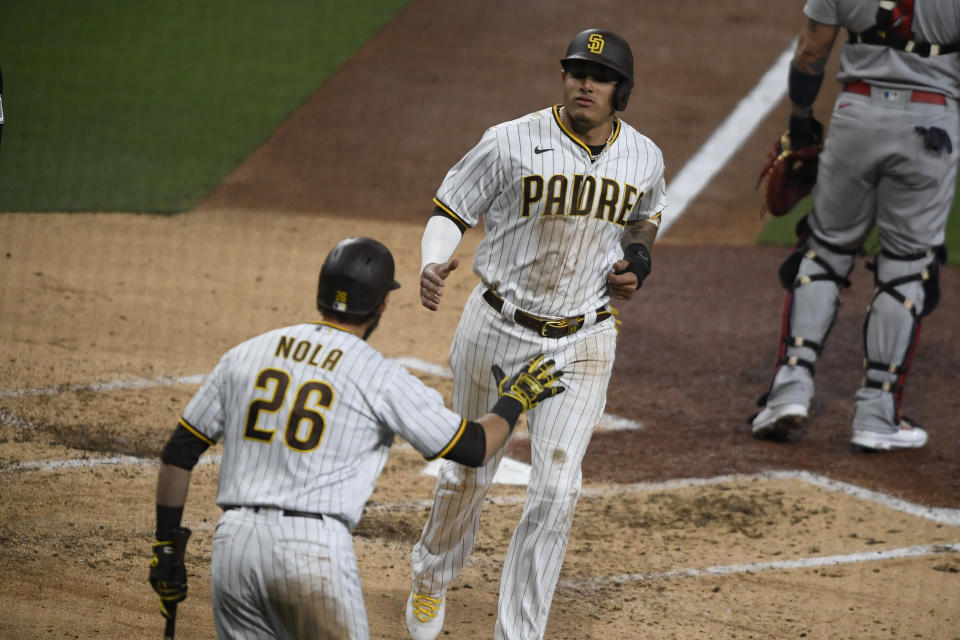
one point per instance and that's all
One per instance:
(775, 422)
(908, 436)
(425, 615)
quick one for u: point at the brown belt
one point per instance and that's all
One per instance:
(929, 97)
(544, 326)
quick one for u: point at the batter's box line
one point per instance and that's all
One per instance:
(950, 517)
(113, 385)
(757, 567)
(941, 515)
(607, 423)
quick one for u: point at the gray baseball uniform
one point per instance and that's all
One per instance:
(888, 161)
(307, 415)
(554, 212)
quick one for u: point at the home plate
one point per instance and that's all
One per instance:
(610, 422)
(510, 471)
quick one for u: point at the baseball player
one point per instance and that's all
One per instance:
(307, 414)
(888, 161)
(571, 197)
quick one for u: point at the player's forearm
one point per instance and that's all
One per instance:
(172, 485)
(639, 231)
(441, 237)
(809, 60)
(813, 47)
(497, 430)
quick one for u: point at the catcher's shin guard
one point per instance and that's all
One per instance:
(907, 288)
(813, 275)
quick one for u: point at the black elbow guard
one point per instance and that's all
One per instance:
(471, 448)
(183, 449)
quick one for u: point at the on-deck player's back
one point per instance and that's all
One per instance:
(315, 412)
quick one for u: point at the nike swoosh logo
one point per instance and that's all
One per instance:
(537, 150)
(844, 104)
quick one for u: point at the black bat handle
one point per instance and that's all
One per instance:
(171, 627)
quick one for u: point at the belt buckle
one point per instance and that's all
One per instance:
(562, 325)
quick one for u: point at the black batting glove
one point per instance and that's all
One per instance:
(638, 256)
(168, 575)
(534, 382)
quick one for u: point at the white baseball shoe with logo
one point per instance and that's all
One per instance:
(907, 436)
(775, 423)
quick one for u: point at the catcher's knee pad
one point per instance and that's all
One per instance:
(813, 275)
(812, 303)
(907, 288)
(835, 262)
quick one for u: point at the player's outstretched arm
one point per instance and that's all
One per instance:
(432, 280)
(535, 381)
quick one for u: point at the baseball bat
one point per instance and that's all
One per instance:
(180, 537)
(171, 628)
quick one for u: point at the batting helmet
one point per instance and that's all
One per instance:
(610, 50)
(356, 277)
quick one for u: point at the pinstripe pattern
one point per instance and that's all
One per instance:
(307, 415)
(552, 261)
(275, 576)
(560, 430)
(553, 219)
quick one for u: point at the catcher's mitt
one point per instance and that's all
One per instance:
(790, 173)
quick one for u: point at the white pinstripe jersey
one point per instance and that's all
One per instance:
(553, 219)
(307, 415)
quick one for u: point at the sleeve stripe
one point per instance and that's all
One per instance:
(456, 438)
(186, 425)
(450, 214)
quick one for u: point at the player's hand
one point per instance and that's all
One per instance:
(620, 282)
(533, 382)
(168, 576)
(431, 282)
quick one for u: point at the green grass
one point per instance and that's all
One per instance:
(780, 231)
(114, 105)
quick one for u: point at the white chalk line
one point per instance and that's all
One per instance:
(756, 567)
(115, 385)
(682, 190)
(724, 142)
(939, 515)
(608, 422)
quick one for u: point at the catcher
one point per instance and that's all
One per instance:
(888, 162)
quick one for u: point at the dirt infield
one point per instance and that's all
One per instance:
(688, 528)
(103, 332)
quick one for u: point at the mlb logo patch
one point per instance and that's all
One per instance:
(890, 94)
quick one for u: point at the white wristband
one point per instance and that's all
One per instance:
(441, 237)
